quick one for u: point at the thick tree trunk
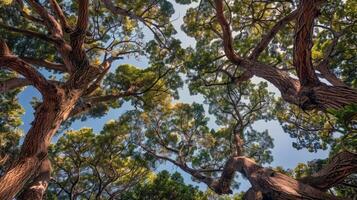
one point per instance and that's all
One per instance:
(37, 188)
(48, 117)
(269, 184)
(275, 185)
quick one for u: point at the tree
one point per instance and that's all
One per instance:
(67, 49)
(262, 46)
(164, 186)
(178, 133)
(81, 42)
(94, 166)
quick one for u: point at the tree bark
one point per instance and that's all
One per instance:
(48, 117)
(335, 172)
(38, 187)
(307, 91)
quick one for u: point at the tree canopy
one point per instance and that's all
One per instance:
(251, 61)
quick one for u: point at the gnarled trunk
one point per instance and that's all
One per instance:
(48, 118)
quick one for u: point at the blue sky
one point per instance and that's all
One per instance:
(284, 154)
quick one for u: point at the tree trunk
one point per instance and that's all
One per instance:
(38, 186)
(278, 186)
(48, 118)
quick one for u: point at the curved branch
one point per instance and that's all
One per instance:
(29, 33)
(45, 63)
(31, 74)
(13, 83)
(227, 34)
(335, 172)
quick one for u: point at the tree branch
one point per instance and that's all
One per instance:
(13, 83)
(78, 35)
(51, 23)
(323, 66)
(62, 18)
(29, 33)
(335, 172)
(227, 34)
(302, 61)
(45, 63)
(31, 74)
(266, 39)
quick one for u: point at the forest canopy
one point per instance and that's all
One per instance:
(132, 69)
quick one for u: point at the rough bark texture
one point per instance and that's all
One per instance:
(48, 117)
(307, 91)
(340, 166)
(37, 188)
(308, 11)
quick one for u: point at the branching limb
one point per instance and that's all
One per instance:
(78, 35)
(62, 18)
(13, 83)
(335, 172)
(29, 33)
(31, 74)
(45, 63)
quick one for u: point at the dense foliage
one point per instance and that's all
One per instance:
(251, 61)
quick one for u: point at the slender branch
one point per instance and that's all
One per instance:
(227, 34)
(51, 23)
(29, 33)
(45, 63)
(62, 18)
(323, 66)
(271, 34)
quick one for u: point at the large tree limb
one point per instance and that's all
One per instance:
(13, 83)
(31, 74)
(316, 95)
(37, 188)
(302, 61)
(78, 35)
(335, 172)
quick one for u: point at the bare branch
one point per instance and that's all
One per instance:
(62, 18)
(45, 63)
(29, 33)
(271, 34)
(31, 74)
(13, 83)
